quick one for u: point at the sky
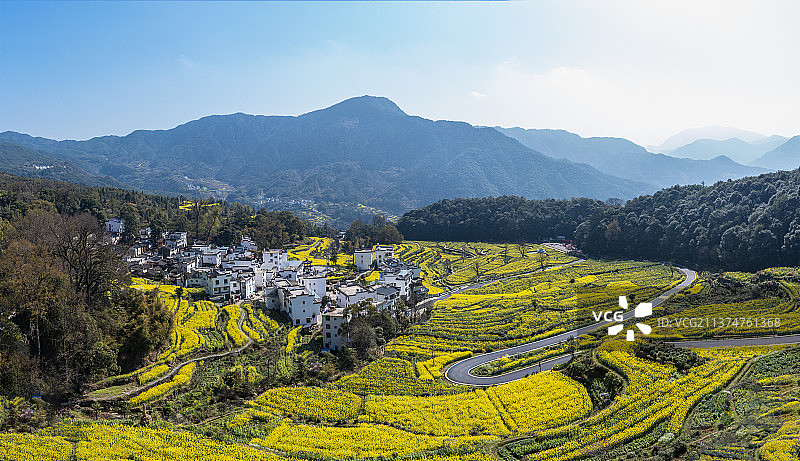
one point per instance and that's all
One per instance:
(641, 70)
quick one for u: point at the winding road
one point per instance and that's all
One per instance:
(460, 372)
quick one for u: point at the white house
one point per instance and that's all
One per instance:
(383, 253)
(144, 234)
(333, 319)
(386, 293)
(176, 240)
(315, 283)
(219, 284)
(301, 305)
(211, 258)
(115, 226)
(362, 259)
(290, 269)
(187, 264)
(273, 259)
(248, 244)
(197, 278)
(400, 280)
(348, 295)
(243, 286)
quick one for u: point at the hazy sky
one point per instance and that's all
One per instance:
(636, 69)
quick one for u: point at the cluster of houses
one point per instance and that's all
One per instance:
(297, 288)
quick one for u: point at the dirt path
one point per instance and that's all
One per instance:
(171, 374)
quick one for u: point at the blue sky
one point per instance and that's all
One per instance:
(641, 70)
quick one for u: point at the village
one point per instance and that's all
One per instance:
(299, 289)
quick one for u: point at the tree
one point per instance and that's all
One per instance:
(129, 216)
(229, 235)
(333, 252)
(31, 283)
(542, 257)
(90, 261)
(361, 337)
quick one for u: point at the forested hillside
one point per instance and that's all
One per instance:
(749, 224)
(496, 219)
(67, 316)
(21, 161)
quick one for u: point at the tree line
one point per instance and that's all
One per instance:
(496, 219)
(746, 224)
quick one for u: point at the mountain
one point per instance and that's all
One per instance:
(717, 133)
(734, 148)
(364, 150)
(21, 161)
(625, 159)
(784, 157)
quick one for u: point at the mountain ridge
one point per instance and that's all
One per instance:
(363, 150)
(623, 158)
(784, 157)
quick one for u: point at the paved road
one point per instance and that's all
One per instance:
(758, 341)
(459, 372)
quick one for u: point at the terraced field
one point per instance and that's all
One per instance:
(535, 306)
(449, 264)
(198, 332)
(398, 407)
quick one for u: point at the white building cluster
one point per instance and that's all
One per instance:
(296, 288)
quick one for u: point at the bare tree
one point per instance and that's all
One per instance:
(542, 257)
(91, 263)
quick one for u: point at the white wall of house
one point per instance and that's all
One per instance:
(383, 253)
(332, 322)
(362, 259)
(349, 295)
(176, 240)
(115, 226)
(273, 259)
(211, 258)
(303, 307)
(400, 280)
(315, 284)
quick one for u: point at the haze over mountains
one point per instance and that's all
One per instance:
(737, 150)
(366, 150)
(745, 147)
(623, 158)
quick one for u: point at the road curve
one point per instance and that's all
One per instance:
(459, 372)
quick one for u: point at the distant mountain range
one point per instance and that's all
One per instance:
(364, 150)
(737, 150)
(745, 147)
(623, 158)
(716, 133)
(357, 157)
(784, 157)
